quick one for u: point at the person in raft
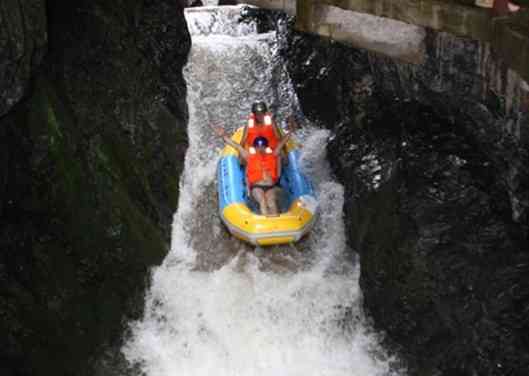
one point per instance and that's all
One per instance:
(263, 169)
(261, 124)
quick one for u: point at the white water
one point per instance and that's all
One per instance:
(217, 306)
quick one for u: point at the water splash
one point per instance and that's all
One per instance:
(218, 306)
(219, 21)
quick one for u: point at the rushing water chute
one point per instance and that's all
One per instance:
(217, 306)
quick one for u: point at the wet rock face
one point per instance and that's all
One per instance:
(127, 71)
(23, 41)
(89, 163)
(434, 162)
(444, 266)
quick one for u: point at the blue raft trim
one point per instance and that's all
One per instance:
(230, 182)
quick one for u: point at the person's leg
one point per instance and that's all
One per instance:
(259, 196)
(503, 7)
(271, 200)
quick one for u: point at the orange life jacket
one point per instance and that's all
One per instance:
(265, 130)
(258, 163)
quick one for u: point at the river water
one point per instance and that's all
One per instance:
(217, 306)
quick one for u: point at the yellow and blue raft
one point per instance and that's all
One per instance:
(298, 200)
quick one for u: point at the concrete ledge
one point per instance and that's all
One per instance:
(393, 38)
(438, 15)
(509, 36)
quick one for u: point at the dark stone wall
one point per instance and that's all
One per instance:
(23, 41)
(89, 164)
(434, 159)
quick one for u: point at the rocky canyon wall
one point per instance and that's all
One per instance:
(92, 138)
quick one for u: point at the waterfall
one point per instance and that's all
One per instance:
(217, 306)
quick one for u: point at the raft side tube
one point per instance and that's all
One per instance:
(297, 183)
(229, 177)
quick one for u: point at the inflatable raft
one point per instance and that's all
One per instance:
(297, 200)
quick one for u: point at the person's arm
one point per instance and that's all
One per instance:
(243, 153)
(282, 143)
(222, 134)
(292, 125)
(279, 167)
(244, 135)
(276, 130)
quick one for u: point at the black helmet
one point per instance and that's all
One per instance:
(259, 108)
(260, 142)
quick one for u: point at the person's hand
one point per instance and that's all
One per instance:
(292, 125)
(221, 132)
